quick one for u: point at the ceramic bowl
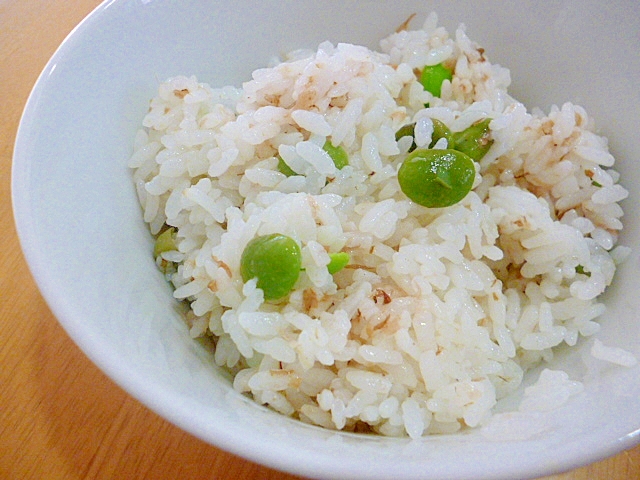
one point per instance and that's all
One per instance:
(87, 246)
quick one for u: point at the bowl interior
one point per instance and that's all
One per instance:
(82, 231)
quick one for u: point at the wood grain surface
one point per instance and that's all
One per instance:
(60, 417)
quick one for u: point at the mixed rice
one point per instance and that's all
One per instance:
(438, 312)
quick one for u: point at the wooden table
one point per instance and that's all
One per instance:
(60, 417)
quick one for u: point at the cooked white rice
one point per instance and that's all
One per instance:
(440, 311)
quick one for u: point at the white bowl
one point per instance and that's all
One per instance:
(85, 241)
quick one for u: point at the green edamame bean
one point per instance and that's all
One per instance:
(475, 141)
(284, 168)
(432, 77)
(407, 131)
(338, 155)
(440, 130)
(275, 260)
(337, 261)
(436, 178)
(580, 269)
(165, 242)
